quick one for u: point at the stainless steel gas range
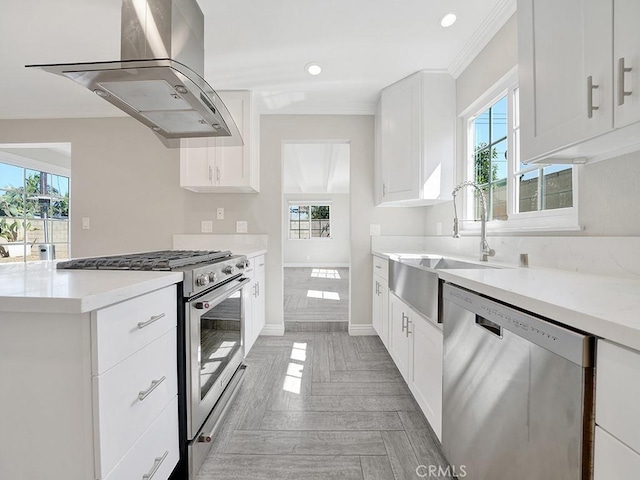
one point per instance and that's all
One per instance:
(210, 349)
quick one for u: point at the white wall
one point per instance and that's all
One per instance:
(319, 252)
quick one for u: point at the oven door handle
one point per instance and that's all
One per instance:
(219, 294)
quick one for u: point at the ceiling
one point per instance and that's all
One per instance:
(316, 167)
(361, 45)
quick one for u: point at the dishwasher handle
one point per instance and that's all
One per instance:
(491, 327)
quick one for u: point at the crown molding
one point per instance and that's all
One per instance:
(497, 17)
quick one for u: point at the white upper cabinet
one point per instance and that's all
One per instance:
(569, 72)
(415, 144)
(208, 167)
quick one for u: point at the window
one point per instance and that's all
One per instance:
(309, 221)
(34, 209)
(518, 196)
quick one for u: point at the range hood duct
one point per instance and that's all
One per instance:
(152, 82)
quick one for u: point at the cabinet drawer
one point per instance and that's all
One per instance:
(121, 330)
(613, 459)
(381, 267)
(149, 451)
(618, 392)
(122, 415)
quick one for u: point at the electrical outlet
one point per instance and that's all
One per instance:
(206, 226)
(241, 226)
(220, 213)
(374, 229)
(85, 223)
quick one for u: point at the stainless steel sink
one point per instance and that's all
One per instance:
(440, 263)
(415, 280)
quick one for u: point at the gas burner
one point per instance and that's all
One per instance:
(163, 260)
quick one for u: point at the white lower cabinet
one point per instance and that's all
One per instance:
(398, 336)
(91, 395)
(254, 301)
(617, 441)
(381, 308)
(416, 346)
(426, 370)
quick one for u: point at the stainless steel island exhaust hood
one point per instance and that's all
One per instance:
(152, 82)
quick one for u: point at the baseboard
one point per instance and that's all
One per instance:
(316, 265)
(358, 330)
(272, 330)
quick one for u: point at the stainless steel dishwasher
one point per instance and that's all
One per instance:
(517, 393)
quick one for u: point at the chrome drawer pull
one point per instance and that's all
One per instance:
(150, 321)
(154, 384)
(156, 465)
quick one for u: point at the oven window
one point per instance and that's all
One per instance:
(220, 338)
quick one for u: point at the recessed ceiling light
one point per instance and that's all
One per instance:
(313, 69)
(448, 20)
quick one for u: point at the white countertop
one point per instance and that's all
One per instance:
(608, 307)
(39, 287)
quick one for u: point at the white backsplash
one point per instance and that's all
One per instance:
(615, 256)
(238, 244)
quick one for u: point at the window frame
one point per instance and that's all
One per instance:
(309, 203)
(560, 219)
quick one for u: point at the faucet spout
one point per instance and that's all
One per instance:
(485, 250)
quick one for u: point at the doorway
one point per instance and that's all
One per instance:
(316, 237)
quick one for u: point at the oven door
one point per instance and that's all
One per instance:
(214, 325)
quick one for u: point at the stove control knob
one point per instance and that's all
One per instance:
(228, 270)
(212, 277)
(202, 280)
(243, 264)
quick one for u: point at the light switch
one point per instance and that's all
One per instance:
(206, 226)
(220, 213)
(85, 223)
(241, 226)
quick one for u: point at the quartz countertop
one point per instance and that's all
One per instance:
(608, 307)
(40, 288)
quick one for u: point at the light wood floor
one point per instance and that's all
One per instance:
(322, 406)
(316, 295)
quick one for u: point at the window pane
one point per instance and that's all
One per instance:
(294, 234)
(320, 211)
(499, 200)
(558, 187)
(304, 212)
(499, 120)
(483, 166)
(11, 176)
(528, 192)
(499, 161)
(304, 234)
(11, 202)
(481, 130)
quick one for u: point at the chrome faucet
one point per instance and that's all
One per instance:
(485, 250)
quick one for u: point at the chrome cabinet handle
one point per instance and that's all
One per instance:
(404, 317)
(218, 174)
(621, 91)
(378, 266)
(258, 289)
(590, 88)
(408, 331)
(255, 290)
(154, 384)
(210, 174)
(155, 318)
(156, 465)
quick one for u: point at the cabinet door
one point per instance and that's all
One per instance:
(232, 163)
(377, 307)
(561, 45)
(626, 47)
(400, 140)
(426, 376)
(247, 328)
(259, 298)
(398, 338)
(612, 458)
(195, 169)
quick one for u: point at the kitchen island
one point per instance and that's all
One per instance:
(88, 372)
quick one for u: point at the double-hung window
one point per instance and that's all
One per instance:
(308, 220)
(518, 196)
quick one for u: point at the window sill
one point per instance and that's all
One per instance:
(512, 230)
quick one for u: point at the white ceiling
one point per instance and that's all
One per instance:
(362, 46)
(316, 167)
